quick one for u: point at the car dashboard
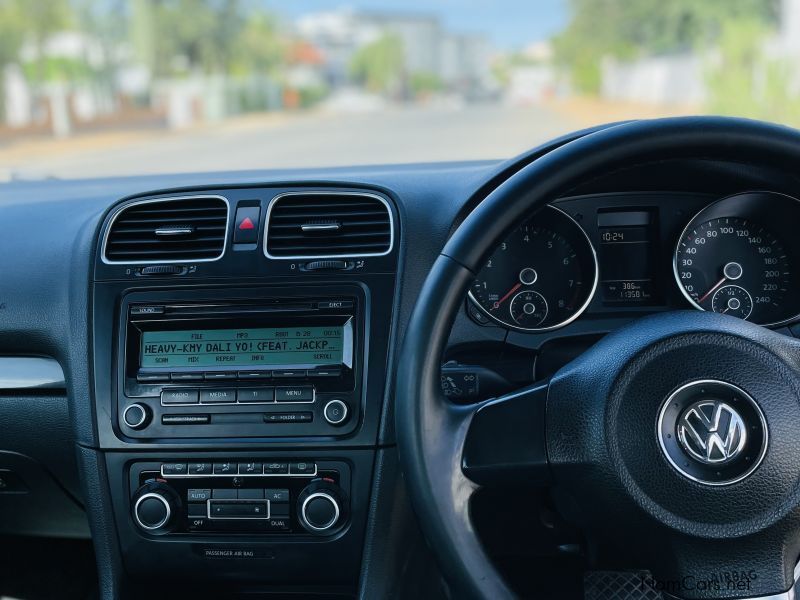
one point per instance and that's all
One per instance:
(227, 344)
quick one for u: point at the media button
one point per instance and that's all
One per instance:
(256, 395)
(294, 393)
(179, 397)
(276, 468)
(217, 396)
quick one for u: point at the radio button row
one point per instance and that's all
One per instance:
(200, 469)
(289, 417)
(217, 396)
(259, 395)
(180, 397)
(294, 393)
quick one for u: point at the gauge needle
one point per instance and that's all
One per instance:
(504, 298)
(711, 291)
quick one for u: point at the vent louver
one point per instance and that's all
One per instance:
(187, 229)
(328, 225)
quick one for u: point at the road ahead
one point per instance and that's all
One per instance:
(398, 135)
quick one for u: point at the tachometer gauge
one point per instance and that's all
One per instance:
(541, 277)
(741, 265)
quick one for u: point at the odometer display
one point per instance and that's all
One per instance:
(541, 277)
(734, 266)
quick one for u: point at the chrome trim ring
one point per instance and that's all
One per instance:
(158, 497)
(330, 523)
(120, 209)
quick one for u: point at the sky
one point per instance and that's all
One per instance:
(509, 24)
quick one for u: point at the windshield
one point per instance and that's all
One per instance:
(93, 88)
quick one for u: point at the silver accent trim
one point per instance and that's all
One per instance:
(330, 523)
(345, 411)
(31, 373)
(238, 501)
(212, 474)
(320, 227)
(381, 199)
(141, 421)
(157, 497)
(118, 211)
(683, 234)
(174, 231)
(577, 314)
(746, 396)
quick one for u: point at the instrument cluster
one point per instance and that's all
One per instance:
(736, 256)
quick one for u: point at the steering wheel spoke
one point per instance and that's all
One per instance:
(505, 441)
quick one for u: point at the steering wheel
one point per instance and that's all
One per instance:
(608, 431)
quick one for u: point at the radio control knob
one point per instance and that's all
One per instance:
(336, 412)
(155, 508)
(136, 416)
(322, 507)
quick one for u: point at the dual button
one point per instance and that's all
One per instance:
(260, 395)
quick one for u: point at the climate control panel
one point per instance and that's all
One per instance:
(242, 496)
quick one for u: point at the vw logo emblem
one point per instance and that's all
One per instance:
(712, 432)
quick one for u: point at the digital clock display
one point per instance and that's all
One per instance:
(267, 346)
(627, 257)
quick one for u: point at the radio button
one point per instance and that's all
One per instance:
(200, 469)
(173, 469)
(295, 393)
(276, 495)
(292, 417)
(276, 468)
(252, 468)
(302, 468)
(214, 376)
(225, 468)
(179, 397)
(186, 376)
(217, 396)
(256, 395)
(293, 374)
(198, 495)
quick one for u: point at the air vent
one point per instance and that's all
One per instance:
(328, 224)
(190, 229)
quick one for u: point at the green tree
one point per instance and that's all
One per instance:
(379, 65)
(630, 28)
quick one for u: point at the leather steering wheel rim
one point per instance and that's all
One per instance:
(430, 432)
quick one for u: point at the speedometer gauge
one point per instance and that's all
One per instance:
(740, 265)
(541, 277)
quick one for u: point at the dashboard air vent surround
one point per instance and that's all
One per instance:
(168, 230)
(304, 225)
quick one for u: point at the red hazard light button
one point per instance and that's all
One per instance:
(246, 225)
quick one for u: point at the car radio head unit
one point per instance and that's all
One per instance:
(247, 367)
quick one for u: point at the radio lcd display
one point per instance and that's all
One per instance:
(248, 347)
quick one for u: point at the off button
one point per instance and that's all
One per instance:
(294, 393)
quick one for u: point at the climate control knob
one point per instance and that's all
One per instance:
(322, 507)
(155, 507)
